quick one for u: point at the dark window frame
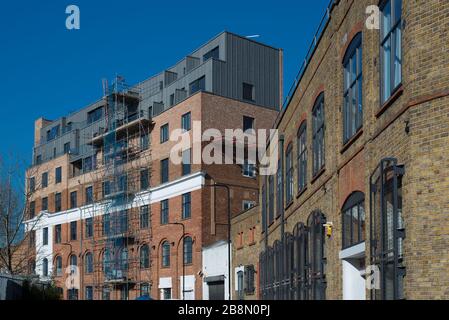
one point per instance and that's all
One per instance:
(164, 133)
(355, 200)
(289, 174)
(186, 121)
(166, 252)
(318, 137)
(165, 212)
(188, 250)
(186, 206)
(302, 157)
(353, 89)
(390, 36)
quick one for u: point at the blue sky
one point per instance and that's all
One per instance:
(47, 70)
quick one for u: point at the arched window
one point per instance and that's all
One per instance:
(88, 263)
(318, 135)
(353, 216)
(124, 259)
(289, 174)
(301, 262)
(107, 259)
(45, 267)
(144, 257)
(317, 256)
(188, 250)
(387, 229)
(73, 263)
(58, 265)
(32, 267)
(353, 95)
(302, 157)
(166, 254)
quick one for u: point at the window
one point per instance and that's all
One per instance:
(32, 209)
(53, 133)
(58, 233)
(45, 236)
(186, 162)
(123, 220)
(58, 175)
(73, 263)
(45, 180)
(164, 133)
(89, 195)
(88, 164)
(212, 54)
(264, 206)
(270, 199)
(32, 184)
(89, 228)
(188, 250)
(240, 284)
(145, 290)
(124, 292)
(248, 92)
(45, 267)
(124, 259)
(248, 205)
(73, 230)
(353, 216)
(164, 171)
(318, 135)
(106, 224)
(248, 123)
(250, 276)
(58, 202)
(166, 254)
(166, 293)
(72, 294)
(67, 148)
(58, 266)
(289, 174)
(302, 157)
(186, 122)
(249, 169)
(89, 293)
(172, 100)
(352, 108)
(279, 191)
(145, 257)
(317, 288)
(144, 217)
(89, 263)
(391, 48)
(107, 263)
(45, 204)
(164, 212)
(94, 115)
(106, 294)
(197, 85)
(387, 229)
(106, 188)
(144, 179)
(187, 206)
(144, 141)
(73, 200)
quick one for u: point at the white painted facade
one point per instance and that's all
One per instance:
(215, 264)
(169, 190)
(354, 285)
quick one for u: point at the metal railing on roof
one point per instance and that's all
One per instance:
(316, 39)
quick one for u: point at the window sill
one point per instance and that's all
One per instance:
(289, 205)
(396, 94)
(318, 175)
(300, 193)
(351, 141)
(253, 243)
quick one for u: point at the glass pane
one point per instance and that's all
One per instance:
(354, 108)
(347, 228)
(386, 20)
(353, 68)
(360, 102)
(355, 225)
(386, 70)
(362, 223)
(397, 10)
(397, 57)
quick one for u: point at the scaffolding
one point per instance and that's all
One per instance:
(122, 213)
